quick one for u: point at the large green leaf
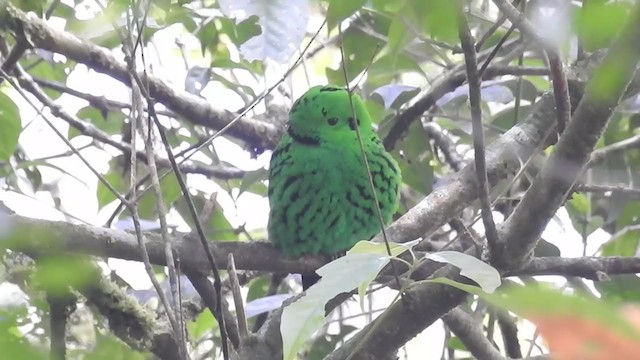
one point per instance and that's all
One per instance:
(597, 22)
(359, 48)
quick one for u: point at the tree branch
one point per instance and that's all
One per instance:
(197, 110)
(473, 79)
(470, 333)
(548, 192)
(586, 267)
(446, 84)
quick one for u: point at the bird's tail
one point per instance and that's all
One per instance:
(308, 279)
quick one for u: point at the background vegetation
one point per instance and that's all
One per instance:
(515, 125)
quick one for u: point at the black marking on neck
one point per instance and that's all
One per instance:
(305, 140)
(330, 88)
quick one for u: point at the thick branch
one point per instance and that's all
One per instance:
(44, 236)
(549, 190)
(469, 330)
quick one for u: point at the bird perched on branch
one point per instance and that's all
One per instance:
(319, 188)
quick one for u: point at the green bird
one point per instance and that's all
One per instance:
(319, 191)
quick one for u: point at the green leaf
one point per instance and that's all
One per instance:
(532, 301)
(385, 69)
(438, 18)
(359, 48)
(202, 324)
(545, 249)
(29, 5)
(52, 72)
(623, 245)
(171, 192)
(110, 122)
(216, 228)
(415, 161)
(12, 342)
(339, 10)
(456, 343)
(57, 274)
(475, 269)
(253, 180)
(108, 347)
(104, 195)
(528, 91)
(597, 23)
(540, 301)
(620, 288)
(306, 315)
(399, 36)
(10, 127)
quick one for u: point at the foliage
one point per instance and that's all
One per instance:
(401, 57)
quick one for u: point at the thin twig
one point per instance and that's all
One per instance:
(559, 78)
(598, 188)
(11, 59)
(445, 144)
(145, 133)
(21, 75)
(473, 78)
(495, 26)
(237, 299)
(599, 155)
(372, 187)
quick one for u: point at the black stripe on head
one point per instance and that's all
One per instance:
(331, 88)
(305, 140)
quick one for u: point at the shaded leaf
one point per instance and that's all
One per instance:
(110, 122)
(339, 10)
(10, 126)
(170, 189)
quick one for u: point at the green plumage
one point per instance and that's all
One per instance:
(319, 192)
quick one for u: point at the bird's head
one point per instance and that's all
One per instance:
(324, 115)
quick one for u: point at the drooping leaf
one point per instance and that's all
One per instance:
(306, 315)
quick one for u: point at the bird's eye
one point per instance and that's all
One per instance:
(332, 121)
(352, 123)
